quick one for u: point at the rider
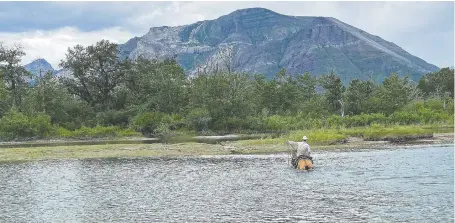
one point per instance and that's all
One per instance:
(301, 150)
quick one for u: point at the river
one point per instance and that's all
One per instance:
(396, 185)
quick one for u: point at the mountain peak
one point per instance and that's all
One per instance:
(253, 10)
(254, 14)
(39, 65)
(41, 62)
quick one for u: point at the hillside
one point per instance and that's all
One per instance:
(258, 40)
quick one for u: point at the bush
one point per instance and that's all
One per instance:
(41, 126)
(15, 125)
(404, 118)
(128, 133)
(74, 115)
(62, 132)
(114, 118)
(277, 123)
(434, 104)
(97, 132)
(147, 123)
(308, 123)
(178, 122)
(254, 123)
(230, 124)
(335, 121)
(198, 119)
(365, 119)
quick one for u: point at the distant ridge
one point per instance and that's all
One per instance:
(258, 40)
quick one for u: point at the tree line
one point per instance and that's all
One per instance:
(157, 98)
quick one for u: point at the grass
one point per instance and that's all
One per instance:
(321, 139)
(340, 135)
(109, 151)
(96, 132)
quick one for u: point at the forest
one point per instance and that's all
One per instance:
(108, 97)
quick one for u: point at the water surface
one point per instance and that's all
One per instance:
(401, 185)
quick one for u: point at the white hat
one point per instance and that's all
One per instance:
(304, 138)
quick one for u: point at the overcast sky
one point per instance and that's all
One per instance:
(47, 29)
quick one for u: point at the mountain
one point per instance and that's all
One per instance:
(40, 64)
(258, 40)
(36, 67)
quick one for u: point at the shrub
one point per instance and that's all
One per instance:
(128, 133)
(96, 132)
(41, 125)
(198, 119)
(230, 124)
(365, 119)
(404, 118)
(114, 118)
(178, 121)
(434, 104)
(277, 123)
(62, 132)
(15, 125)
(148, 122)
(254, 123)
(335, 121)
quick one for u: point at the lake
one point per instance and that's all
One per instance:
(396, 185)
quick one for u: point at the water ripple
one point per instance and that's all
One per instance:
(375, 186)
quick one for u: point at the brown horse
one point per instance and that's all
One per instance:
(302, 162)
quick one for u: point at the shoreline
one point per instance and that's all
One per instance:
(113, 141)
(201, 149)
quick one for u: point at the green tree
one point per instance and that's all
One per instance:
(280, 95)
(287, 93)
(393, 94)
(438, 84)
(96, 71)
(306, 86)
(223, 95)
(358, 94)
(50, 97)
(334, 90)
(43, 96)
(5, 99)
(13, 73)
(157, 85)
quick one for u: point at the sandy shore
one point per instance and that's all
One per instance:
(197, 149)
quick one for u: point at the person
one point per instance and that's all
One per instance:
(301, 151)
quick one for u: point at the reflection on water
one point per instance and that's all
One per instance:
(413, 185)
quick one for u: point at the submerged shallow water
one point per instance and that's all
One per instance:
(410, 185)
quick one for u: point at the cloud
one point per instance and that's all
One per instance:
(53, 44)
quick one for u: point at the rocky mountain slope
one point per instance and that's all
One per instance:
(258, 40)
(39, 65)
